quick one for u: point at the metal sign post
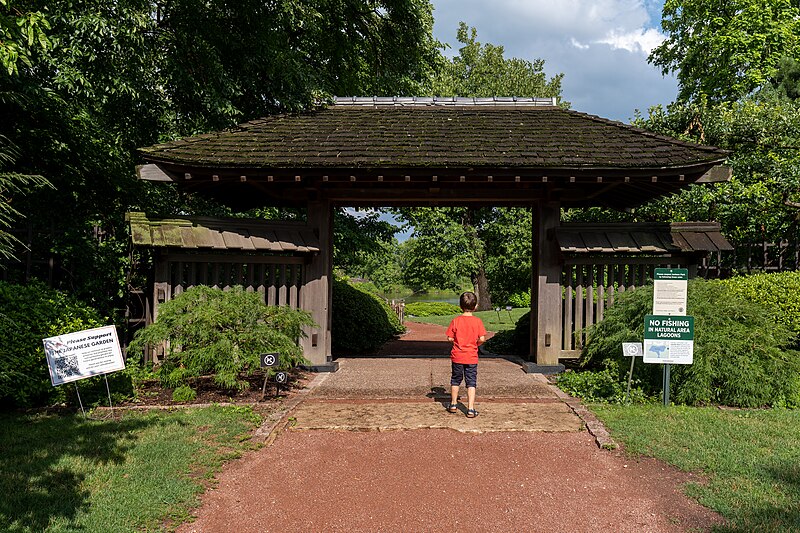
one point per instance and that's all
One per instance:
(632, 350)
(268, 360)
(666, 385)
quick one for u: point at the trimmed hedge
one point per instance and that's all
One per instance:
(423, 309)
(741, 355)
(362, 322)
(779, 292)
(28, 314)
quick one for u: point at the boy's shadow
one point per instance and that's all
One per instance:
(442, 396)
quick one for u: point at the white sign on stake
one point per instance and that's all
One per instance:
(83, 354)
(669, 291)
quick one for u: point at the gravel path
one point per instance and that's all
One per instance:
(526, 463)
(426, 480)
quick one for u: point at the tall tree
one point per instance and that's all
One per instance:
(726, 49)
(483, 70)
(129, 73)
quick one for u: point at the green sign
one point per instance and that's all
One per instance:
(668, 339)
(671, 274)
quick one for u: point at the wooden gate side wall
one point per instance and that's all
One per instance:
(279, 280)
(590, 285)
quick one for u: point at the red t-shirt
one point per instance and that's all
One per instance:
(465, 330)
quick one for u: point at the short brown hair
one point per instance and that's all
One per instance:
(468, 301)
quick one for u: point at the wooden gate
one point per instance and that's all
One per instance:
(602, 261)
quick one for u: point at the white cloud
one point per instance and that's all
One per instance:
(601, 46)
(637, 41)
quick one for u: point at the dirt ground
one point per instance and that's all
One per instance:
(371, 448)
(434, 479)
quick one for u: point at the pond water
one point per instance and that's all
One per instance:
(447, 297)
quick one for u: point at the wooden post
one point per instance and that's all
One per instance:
(317, 294)
(546, 303)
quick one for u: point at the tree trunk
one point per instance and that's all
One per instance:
(481, 286)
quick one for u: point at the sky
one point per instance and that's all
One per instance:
(601, 46)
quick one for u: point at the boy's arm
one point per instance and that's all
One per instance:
(481, 339)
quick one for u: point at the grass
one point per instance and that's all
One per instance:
(492, 320)
(751, 458)
(63, 473)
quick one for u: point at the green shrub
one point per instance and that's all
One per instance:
(222, 333)
(779, 292)
(362, 322)
(423, 309)
(520, 299)
(740, 353)
(601, 386)
(514, 341)
(184, 393)
(29, 314)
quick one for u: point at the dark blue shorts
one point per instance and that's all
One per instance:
(468, 373)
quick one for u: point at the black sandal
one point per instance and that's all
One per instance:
(452, 408)
(472, 413)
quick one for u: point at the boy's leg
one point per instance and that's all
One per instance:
(456, 375)
(470, 397)
(471, 379)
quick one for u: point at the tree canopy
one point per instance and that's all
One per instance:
(726, 49)
(114, 76)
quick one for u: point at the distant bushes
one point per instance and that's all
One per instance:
(362, 322)
(423, 309)
(29, 314)
(742, 356)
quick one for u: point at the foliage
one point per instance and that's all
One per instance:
(492, 320)
(760, 202)
(726, 49)
(740, 353)
(29, 314)
(184, 393)
(482, 70)
(515, 341)
(491, 246)
(362, 322)
(777, 292)
(20, 33)
(520, 299)
(134, 473)
(600, 386)
(424, 309)
(747, 458)
(210, 331)
(131, 73)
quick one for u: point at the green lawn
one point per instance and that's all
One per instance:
(751, 458)
(492, 320)
(62, 473)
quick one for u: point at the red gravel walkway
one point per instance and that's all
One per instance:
(429, 480)
(420, 339)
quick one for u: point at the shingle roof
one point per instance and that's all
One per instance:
(683, 237)
(433, 136)
(198, 233)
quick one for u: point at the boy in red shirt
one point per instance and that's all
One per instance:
(466, 332)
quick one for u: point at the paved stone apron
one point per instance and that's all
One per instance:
(412, 393)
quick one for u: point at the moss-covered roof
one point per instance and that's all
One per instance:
(205, 233)
(433, 136)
